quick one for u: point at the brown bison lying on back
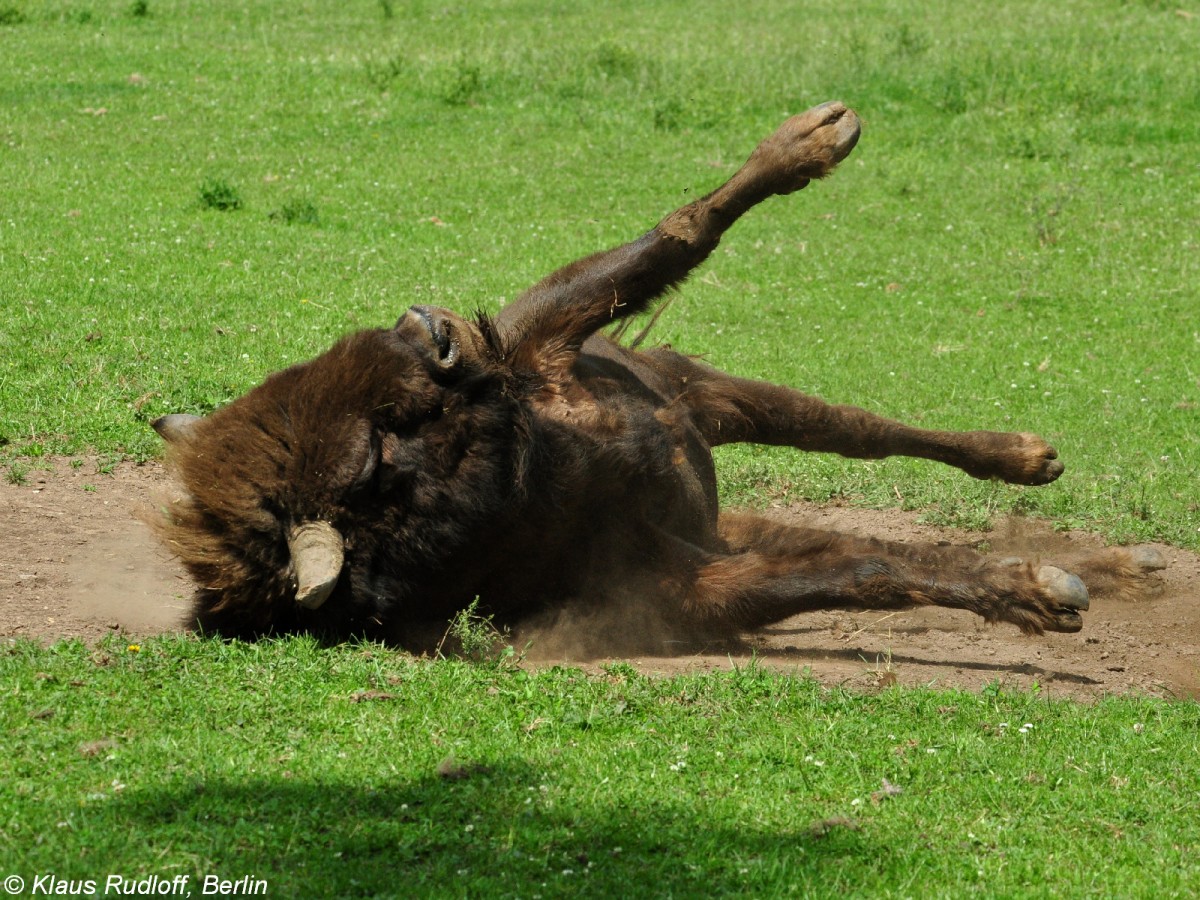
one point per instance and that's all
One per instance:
(529, 462)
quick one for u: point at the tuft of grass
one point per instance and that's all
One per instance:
(463, 83)
(297, 212)
(218, 194)
(668, 115)
(12, 15)
(139, 9)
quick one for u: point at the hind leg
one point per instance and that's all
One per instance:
(772, 572)
(730, 410)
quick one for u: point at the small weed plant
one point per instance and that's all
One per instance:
(475, 637)
(218, 194)
(297, 212)
(463, 84)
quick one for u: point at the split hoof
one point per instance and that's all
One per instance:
(1147, 559)
(1018, 458)
(1038, 462)
(1049, 471)
(806, 146)
(1070, 598)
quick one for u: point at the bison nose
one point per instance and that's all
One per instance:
(441, 333)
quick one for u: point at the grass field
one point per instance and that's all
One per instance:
(364, 773)
(198, 193)
(206, 192)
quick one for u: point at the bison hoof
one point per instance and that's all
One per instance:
(1069, 598)
(1147, 559)
(806, 146)
(1038, 461)
(1048, 472)
(1021, 458)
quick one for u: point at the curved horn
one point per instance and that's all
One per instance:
(317, 556)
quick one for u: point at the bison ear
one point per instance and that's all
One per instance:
(175, 427)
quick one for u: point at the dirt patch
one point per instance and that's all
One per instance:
(76, 561)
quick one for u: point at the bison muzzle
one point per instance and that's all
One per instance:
(530, 462)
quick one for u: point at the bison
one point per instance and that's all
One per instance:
(527, 462)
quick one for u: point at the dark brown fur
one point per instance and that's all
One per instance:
(531, 463)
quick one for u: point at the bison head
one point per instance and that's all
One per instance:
(349, 475)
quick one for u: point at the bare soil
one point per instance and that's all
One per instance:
(77, 561)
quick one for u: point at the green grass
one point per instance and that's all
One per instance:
(363, 772)
(196, 194)
(199, 193)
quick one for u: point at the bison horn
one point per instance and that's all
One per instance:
(316, 549)
(175, 426)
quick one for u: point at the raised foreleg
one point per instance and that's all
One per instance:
(550, 321)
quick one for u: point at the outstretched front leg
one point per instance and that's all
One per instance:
(730, 410)
(552, 319)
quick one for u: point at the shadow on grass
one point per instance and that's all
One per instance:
(858, 654)
(493, 830)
